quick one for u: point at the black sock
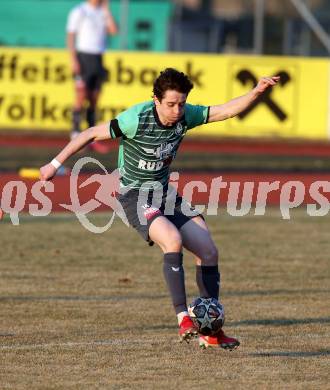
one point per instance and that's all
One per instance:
(208, 281)
(90, 117)
(76, 119)
(174, 276)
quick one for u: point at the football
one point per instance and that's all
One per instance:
(207, 314)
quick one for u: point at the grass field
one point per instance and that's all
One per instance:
(85, 311)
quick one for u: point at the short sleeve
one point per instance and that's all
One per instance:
(196, 115)
(125, 124)
(74, 19)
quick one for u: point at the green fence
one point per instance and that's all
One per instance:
(41, 23)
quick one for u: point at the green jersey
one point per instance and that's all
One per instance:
(147, 147)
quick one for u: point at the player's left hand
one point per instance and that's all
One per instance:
(47, 172)
(265, 83)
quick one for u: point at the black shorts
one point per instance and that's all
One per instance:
(141, 212)
(92, 70)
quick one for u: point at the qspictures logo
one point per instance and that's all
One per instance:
(14, 196)
(240, 200)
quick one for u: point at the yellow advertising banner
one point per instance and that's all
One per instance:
(36, 90)
(296, 107)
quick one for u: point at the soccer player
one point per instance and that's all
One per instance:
(88, 25)
(150, 134)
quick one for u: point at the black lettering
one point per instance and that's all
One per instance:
(245, 76)
(107, 113)
(29, 73)
(2, 65)
(67, 114)
(60, 74)
(13, 67)
(47, 112)
(124, 75)
(109, 76)
(46, 68)
(32, 107)
(195, 77)
(16, 111)
(148, 76)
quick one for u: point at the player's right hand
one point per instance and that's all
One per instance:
(47, 172)
(76, 67)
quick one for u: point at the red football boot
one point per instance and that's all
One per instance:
(187, 329)
(218, 340)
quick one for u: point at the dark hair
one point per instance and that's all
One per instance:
(171, 79)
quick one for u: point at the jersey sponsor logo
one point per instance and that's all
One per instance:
(150, 212)
(163, 151)
(150, 165)
(149, 151)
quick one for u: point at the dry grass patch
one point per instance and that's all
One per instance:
(83, 311)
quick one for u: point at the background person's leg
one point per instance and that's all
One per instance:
(91, 117)
(92, 97)
(80, 96)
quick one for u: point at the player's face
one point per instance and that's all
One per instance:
(171, 108)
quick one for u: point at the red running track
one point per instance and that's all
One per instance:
(239, 146)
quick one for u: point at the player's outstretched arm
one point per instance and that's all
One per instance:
(235, 106)
(96, 133)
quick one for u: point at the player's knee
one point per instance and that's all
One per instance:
(173, 242)
(210, 256)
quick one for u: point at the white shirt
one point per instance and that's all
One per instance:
(89, 25)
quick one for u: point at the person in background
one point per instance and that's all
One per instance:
(89, 23)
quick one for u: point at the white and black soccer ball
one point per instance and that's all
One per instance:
(207, 314)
